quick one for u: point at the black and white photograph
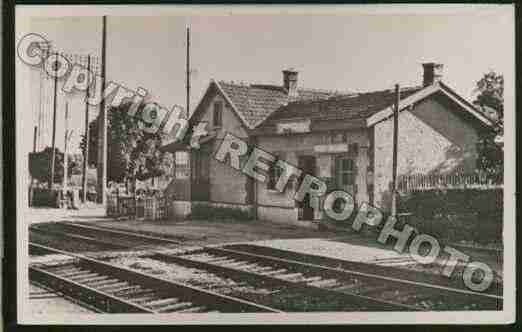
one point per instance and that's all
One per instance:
(227, 164)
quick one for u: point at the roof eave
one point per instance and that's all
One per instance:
(424, 93)
(317, 125)
(236, 111)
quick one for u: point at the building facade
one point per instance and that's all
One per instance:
(344, 139)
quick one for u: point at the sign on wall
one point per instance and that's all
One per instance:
(331, 148)
(294, 127)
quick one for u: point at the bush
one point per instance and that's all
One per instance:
(433, 203)
(42, 197)
(456, 214)
(204, 211)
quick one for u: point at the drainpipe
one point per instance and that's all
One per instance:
(253, 143)
(395, 144)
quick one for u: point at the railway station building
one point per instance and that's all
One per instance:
(343, 138)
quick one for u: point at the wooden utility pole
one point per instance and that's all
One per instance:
(65, 143)
(188, 72)
(395, 145)
(102, 127)
(53, 144)
(31, 188)
(86, 136)
(187, 106)
(34, 138)
(39, 132)
(45, 46)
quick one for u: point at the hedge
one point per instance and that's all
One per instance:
(208, 212)
(456, 214)
(431, 203)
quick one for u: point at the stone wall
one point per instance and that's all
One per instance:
(274, 205)
(433, 139)
(227, 185)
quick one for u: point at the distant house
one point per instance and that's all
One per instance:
(344, 139)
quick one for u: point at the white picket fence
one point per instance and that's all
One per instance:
(414, 182)
(150, 208)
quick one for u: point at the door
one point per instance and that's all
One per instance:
(345, 174)
(308, 165)
(200, 164)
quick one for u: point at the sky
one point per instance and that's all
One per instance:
(334, 52)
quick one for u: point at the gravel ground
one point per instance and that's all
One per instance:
(213, 232)
(346, 246)
(44, 302)
(281, 298)
(64, 243)
(46, 214)
(373, 253)
(338, 250)
(191, 276)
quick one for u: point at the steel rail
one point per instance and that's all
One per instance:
(366, 301)
(489, 299)
(85, 294)
(125, 233)
(361, 300)
(109, 244)
(211, 299)
(397, 273)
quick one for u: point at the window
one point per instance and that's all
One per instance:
(181, 166)
(273, 174)
(217, 119)
(345, 172)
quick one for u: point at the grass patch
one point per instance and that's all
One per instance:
(207, 212)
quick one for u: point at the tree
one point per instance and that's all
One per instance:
(39, 165)
(93, 147)
(132, 152)
(490, 100)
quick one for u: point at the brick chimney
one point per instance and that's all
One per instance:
(432, 73)
(290, 81)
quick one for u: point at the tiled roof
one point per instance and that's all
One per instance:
(256, 102)
(355, 106)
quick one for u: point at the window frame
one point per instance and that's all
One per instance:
(274, 173)
(349, 171)
(180, 166)
(219, 111)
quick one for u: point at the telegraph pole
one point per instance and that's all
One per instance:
(31, 188)
(102, 127)
(35, 134)
(66, 141)
(188, 72)
(187, 106)
(395, 144)
(53, 145)
(39, 132)
(86, 137)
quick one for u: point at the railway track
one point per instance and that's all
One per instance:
(367, 287)
(109, 238)
(409, 294)
(276, 293)
(397, 273)
(114, 289)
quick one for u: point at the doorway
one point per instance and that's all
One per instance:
(345, 174)
(308, 165)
